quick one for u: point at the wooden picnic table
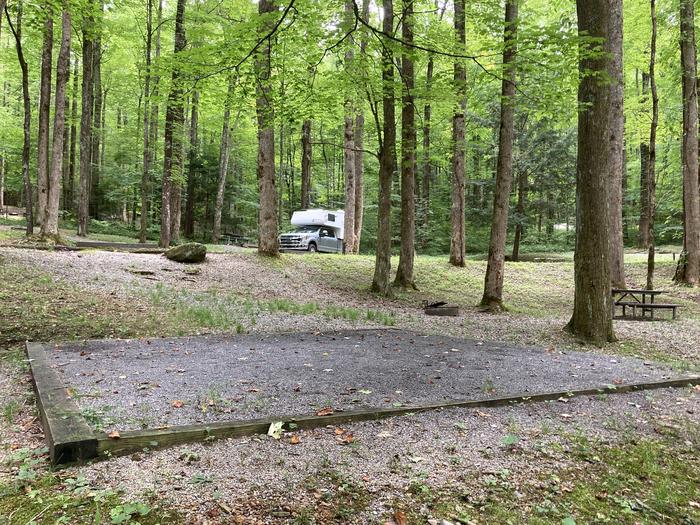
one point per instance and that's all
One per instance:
(642, 300)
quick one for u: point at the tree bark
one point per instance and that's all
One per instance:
(493, 282)
(459, 144)
(147, 146)
(427, 115)
(359, 147)
(387, 155)
(49, 226)
(268, 243)
(404, 272)
(349, 139)
(520, 214)
(592, 316)
(224, 152)
(95, 194)
(613, 46)
(651, 162)
(305, 164)
(26, 126)
(42, 161)
(688, 270)
(191, 168)
(70, 191)
(86, 122)
(64, 201)
(174, 117)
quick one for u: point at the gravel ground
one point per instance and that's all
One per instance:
(243, 274)
(259, 480)
(130, 384)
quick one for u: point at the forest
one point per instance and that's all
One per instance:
(440, 127)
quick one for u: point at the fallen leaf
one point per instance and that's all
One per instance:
(113, 435)
(295, 439)
(338, 431)
(275, 429)
(400, 518)
(326, 411)
(618, 381)
(177, 403)
(346, 439)
(364, 391)
(694, 504)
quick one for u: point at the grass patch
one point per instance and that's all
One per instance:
(645, 481)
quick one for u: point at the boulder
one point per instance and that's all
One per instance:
(192, 252)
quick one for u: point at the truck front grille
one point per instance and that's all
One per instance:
(290, 242)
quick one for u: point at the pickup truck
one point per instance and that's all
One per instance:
(315, 231)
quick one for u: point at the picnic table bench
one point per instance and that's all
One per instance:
(641, 301)
(231, 238)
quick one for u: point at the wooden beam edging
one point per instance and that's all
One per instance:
(137, 440)
(68, 435)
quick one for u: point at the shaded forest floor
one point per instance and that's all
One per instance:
(628, 458)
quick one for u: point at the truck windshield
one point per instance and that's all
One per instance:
(306, 229)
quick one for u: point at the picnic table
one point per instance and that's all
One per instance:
(641, 301)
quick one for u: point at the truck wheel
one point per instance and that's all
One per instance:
(312, 247)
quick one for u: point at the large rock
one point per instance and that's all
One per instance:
(192, 252)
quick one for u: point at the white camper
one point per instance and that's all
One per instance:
(315, 230)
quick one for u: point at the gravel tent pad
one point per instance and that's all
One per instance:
(151, 383)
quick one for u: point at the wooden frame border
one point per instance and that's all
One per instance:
(71, 439)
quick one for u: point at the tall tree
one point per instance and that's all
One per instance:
(592, 316)
(192, 165)
(493, 282)
(613, 46)
(426, 166)
(387, 155)
(49, 226)
(174, 118)
(268, 243)
(643, 241)
(349, 136)
(224, 152)
(27, 105)
(404, 272)
(147, 146)
(359, 147)
(459, 143)
(305, 164)
(88, 30)
(96, 137)
(42, 161)
(688, 270)
(651, 162)
(70, 178)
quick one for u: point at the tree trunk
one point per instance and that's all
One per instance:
(349, 139)
(224, 152)
(268, 243)
(86, 123)
(404, 272)
(147, 146)
(643, 197)
(592, 316)
(49, 226)
(387, 145)
(174, 117)
(26, 126)
(688, 270)
(305, 164)
(191, 171)
(42, 161)
(493, 282)
(613, 46)
(459, 144)
(427, 114)
(64, 201)
(359, 146)
(70, 193)
(520, 214)
(651, 163)
(95, 194)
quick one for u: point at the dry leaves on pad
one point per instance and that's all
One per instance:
(399, 518)
(113, 434)
(177, 403)
(325, 411)
(295, 439)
